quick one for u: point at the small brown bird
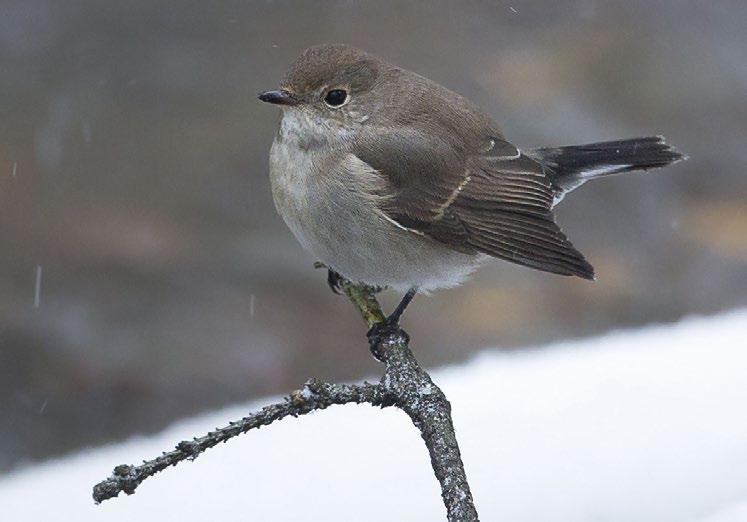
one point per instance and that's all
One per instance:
(392, 180)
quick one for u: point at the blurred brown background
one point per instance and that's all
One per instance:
(133, 179)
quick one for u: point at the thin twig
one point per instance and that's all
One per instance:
(315, 395)
(404, 385)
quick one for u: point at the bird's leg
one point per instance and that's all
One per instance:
(391, 324)
(393, 319)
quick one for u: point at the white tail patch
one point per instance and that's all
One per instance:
(583, 176)
(600, 171)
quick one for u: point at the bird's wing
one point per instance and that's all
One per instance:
(491, 199)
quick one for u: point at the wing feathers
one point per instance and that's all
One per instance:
(498, 205)
(539, 244)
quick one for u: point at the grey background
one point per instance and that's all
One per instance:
(133, 171)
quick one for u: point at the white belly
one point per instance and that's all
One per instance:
(326, 201)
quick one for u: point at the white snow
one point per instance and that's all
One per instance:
(646, 425)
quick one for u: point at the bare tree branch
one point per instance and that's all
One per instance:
(404, 385)
(424, 402)
(315, 395)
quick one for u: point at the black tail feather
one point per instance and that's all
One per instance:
(571, 166)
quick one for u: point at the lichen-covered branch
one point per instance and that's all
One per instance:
(415, 393)
(365, 301)
(404, 385)
(315, 395)
(430, 412)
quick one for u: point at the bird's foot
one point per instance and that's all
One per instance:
(334, 280)
(389, 327)
(379, 332)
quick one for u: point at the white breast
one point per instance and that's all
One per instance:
(328, 198)
(293, 157)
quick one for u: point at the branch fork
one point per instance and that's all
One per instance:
(404, 385)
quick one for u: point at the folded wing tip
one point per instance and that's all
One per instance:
(582, 269)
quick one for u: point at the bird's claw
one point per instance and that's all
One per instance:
(334, 280)
(389, 327)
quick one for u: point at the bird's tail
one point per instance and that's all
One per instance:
(572, 166)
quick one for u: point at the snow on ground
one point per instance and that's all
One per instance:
(646, 425)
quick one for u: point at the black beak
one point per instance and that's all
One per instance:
(278, 97)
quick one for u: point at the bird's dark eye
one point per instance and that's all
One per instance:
(335, 97)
